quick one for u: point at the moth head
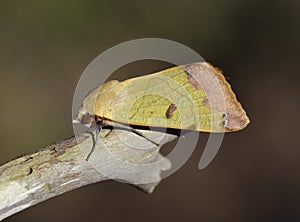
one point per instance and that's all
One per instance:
(85, 118)
(86, 114)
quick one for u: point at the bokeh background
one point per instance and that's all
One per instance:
(46, 45)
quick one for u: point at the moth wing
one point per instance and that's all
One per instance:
(194, 96)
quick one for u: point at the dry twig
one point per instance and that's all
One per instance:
(61, 167)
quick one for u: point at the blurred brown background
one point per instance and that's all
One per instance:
(46, 45)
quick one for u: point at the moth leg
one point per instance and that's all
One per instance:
(141, 135)
(125, 127)
(106, 134)
(98, 124)
(109, 128)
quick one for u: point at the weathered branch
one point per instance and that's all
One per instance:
(61, 167)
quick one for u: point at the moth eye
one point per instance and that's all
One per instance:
(87, 119)
(224, 115)
(225, 123)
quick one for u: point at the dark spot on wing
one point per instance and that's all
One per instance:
(170, 110)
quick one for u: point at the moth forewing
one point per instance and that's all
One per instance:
(194, 96)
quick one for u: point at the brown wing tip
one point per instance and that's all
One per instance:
(236, 118)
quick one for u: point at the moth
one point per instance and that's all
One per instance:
(194, 96)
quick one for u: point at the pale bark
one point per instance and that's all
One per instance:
(62, 167)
